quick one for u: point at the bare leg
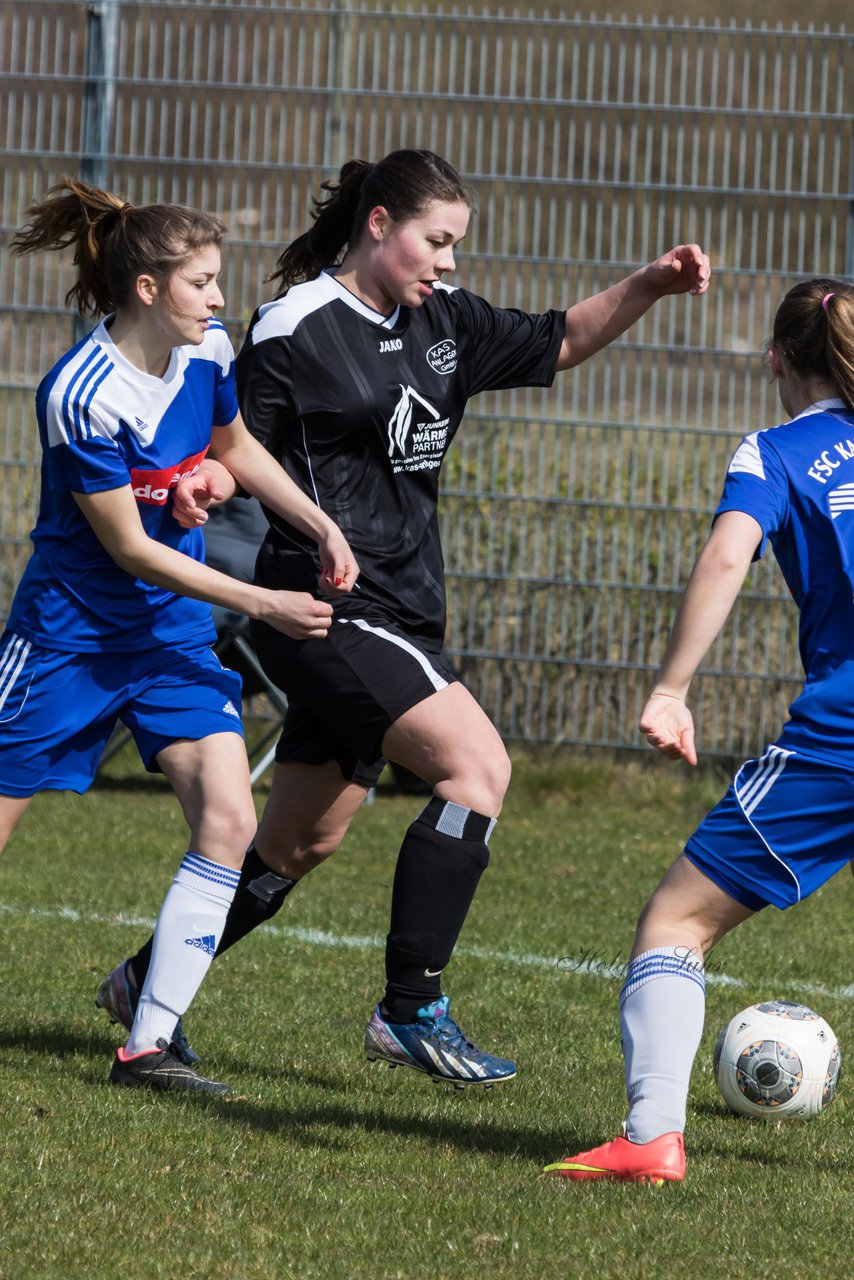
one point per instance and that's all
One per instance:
(306, 816)
(11, 812)
(687, 910)
(449, 740)
(210, 777)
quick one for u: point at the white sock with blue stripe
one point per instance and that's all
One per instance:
(188, 929)
(662, 1009)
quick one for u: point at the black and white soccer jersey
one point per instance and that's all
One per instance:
(360, 409)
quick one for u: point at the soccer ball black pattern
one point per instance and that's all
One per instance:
(769, 1073)
(777, 1060)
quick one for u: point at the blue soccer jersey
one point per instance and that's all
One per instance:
(105, 424)
(797, 482)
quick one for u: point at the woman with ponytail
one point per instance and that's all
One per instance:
(356, 378)
(114, 604)
(786, 825)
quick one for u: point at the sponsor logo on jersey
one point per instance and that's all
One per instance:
(416, 444)
(400, 423)
(153, 487)
(391, 344)
(443, 356)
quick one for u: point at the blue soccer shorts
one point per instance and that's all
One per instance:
(785, 826)
(58, 710)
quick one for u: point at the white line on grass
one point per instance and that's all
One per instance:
(593, 968)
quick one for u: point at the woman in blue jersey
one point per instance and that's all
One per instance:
(356, 377)
(112, 619)
(786, 825)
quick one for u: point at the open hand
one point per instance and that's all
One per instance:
(669, 727)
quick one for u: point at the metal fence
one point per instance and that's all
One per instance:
(571, 516)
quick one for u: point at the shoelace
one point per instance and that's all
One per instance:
(179, 1039)
(448, 1031)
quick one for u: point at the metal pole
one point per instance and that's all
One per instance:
(98, 100)
(849, 239)
(333, 125)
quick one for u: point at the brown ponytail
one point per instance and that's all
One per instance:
(814, 332)
(114, 241)
(404, 183)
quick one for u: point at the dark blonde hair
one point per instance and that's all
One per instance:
(114, 241)
(814, 332)
(404, 183)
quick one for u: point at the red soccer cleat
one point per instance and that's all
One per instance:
(662, 1160)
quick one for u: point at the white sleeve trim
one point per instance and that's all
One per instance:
(748, 457)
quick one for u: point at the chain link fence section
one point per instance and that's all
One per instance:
(571, 516)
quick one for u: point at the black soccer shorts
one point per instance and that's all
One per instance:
(346, 690)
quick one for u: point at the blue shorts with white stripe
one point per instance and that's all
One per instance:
(784, 827)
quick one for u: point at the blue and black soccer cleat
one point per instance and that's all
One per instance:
(435, 1045)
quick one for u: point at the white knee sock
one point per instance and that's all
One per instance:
(662, 1007)
(185, 940)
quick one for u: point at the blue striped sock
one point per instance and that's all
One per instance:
(662, 1009)
(188, 929)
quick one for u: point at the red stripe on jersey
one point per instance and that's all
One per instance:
(153, 486)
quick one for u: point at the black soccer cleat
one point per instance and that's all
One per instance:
(160, 1069)
(119, 996)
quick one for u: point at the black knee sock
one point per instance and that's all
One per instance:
(259, 895)
(443, 855)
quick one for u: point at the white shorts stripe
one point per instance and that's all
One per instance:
(763, 780)
(437, 681)
(11, 662)
(756, 790)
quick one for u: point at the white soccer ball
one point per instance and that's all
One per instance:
(777, 1061)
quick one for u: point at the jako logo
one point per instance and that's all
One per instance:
(153, 486)
(391, 344)
(401, 420)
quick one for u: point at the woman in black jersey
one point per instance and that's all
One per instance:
(356, 378)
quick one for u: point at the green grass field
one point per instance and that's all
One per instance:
(326, 1167)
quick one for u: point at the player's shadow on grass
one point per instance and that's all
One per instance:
(308, 1126)
(56, 1040)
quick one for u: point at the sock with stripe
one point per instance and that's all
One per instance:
(662, 1009)
(443, 855)
(185, 940)
(259, 895)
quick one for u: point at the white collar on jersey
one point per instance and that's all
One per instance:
(132, 372)
(832, 403)
(821, 406)
(362, 308)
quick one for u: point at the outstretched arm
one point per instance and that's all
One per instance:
(114, 516)
(592, 324)
(713, 586)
